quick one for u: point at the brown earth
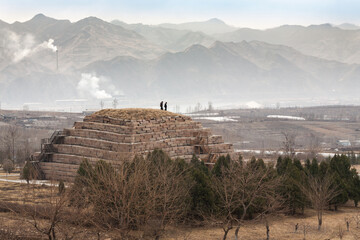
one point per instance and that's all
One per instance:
(134, 113)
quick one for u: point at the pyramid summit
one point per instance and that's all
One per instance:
(133, 114)
(116, 135)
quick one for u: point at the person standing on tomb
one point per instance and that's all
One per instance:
(161, 105)
(165, 106)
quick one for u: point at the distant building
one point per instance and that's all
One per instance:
(7, 118)
(344, 143)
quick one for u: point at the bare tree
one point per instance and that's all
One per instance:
(313, 145)
(177, 109)
(53, 212)
(198, 107)
(347, 221)
(243, 187)
(24, 149)
(52, 216)
(210, 107)
(306, 229)
(340, 232)
(289, 143)
(357, 219)
(320, 191)
(10, 138)
(115, 103)
(8, 166)
(135, 194)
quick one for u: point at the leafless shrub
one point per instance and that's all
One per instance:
(340, 232)
(319, 191)
(347, 222)
(289, 143)
(313, 145)
(356, 218)
(243, 187)
(306, 228)
(52, 218)
(11, 134)
(135, 195)
(8, 235)
(8, 166)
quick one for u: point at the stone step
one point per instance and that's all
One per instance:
(75, 159)
(136, 130)
(144, 137)
(127, 147)
(92, 152)
(140, 122)
(59, 171)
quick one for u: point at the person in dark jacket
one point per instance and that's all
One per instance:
(161, 105)
(165, 106)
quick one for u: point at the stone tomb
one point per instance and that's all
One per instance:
(118, 135)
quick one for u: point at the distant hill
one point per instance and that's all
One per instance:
(3, 24)
(323, 41)
(211, 26)
(168, 38)
(348, 26)
(83, 42)
(27, 81)
(41, 26)
(180, 62)
(226, 70)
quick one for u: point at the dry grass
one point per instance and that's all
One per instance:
(134, 113)
(25, 194)
(281, 226)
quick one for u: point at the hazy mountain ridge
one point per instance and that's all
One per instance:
(249, 68)
(151, 62)
(168, 38)
(84, 41)
(210, 27)
(348, 26)
(323, 41)
(41, 26)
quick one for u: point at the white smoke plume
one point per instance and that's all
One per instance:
(90, 85)
(49, 44)
(16, 47)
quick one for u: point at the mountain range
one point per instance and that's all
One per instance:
(324, 41)
(45, 59)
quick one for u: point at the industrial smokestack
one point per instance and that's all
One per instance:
(57, 60)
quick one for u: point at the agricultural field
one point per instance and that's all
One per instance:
(314, 129)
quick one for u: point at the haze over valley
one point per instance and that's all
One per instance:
(46, 63)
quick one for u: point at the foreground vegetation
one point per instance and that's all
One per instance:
(149, 195)
(144, 198)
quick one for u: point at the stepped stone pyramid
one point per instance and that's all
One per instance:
(118, 135)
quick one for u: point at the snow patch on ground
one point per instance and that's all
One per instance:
(286, 117)
(201, 114)
(217, 119)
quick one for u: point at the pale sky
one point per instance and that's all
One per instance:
(239, 13)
